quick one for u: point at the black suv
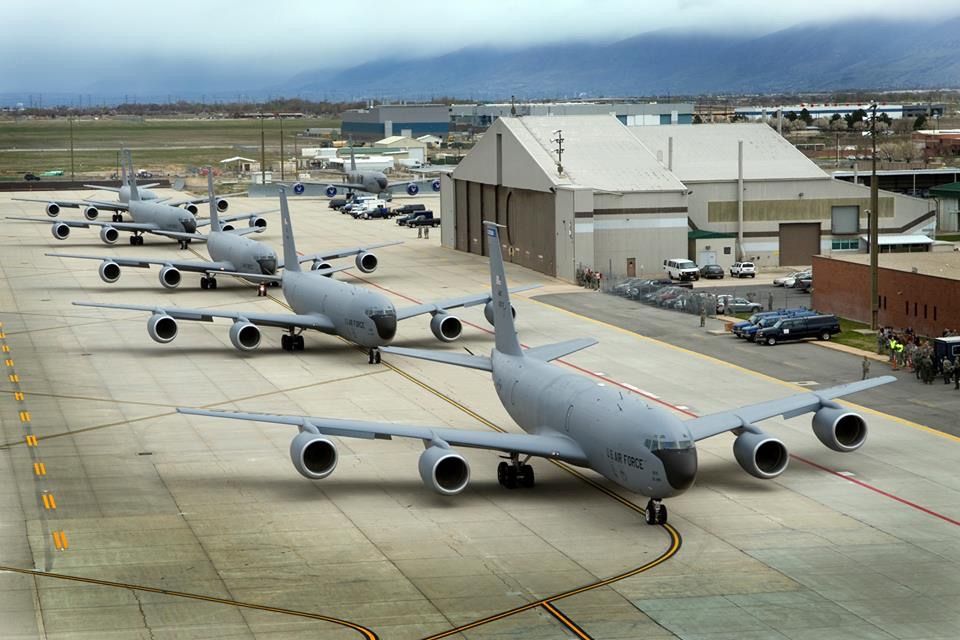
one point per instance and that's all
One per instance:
(820, 327)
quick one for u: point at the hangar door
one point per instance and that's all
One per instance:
(799, 242)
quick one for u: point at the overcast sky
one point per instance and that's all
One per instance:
(72, 45)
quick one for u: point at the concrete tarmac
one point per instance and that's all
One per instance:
(168, 526)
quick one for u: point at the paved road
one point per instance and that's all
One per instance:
(936, 406)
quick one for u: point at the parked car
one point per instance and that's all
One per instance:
(681, 269)
(750, 333)
(337, 203)
(738, 328)
(406, 209)
(820, 327)
(737, 305)
(423, 219)
(804, 283)
(782, 280)
(711, 271)
(29, 177)
(743, 270)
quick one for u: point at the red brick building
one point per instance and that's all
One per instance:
(919, 290)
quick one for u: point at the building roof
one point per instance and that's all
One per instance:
(237, 159)
(598, 152)
(885, 240)
(951, 190)
(708, 152)
(398, 141)
(944, 264)
(703, 234)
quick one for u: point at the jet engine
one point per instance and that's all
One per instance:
(60, 231)
(192, 208)
(446, 327)
(317, 266)
(443, 470)
(162, 328)
(245, 335)
(109, 235)
(839, 429)
(109, 271)
(313, 456)
(760, 454)
(488, 311)
(53, 209)
(222, 205)
(366, 262)
(258, 223)
(412, 189)
(91, 213)
(170, 277)
(227, 227)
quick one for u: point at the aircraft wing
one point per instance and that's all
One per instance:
(79, 204)
(452, 303)
(554, 446)
(789, 407)
(343, 253)
(99, 188)
(201, 199)
(282, 320)
(198, 266)
(181, 235)
(262, 277)
(85, 224)
(239, 216)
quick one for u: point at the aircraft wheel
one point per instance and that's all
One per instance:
(285, 342)
(662, 515)
(204, 283)
(377, 356)
(297, 341)
(212, 283)
(526, 476)
(652, 512)
(502, 473)
(118, 217)
(133, 240)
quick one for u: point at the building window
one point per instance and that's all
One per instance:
(906, 307)
(914, 309)
(847, 244)
(844, 219)
(934, 313)
(726, 251)
(924, 312)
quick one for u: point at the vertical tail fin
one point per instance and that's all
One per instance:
(504, 329)
(291, 260)
(353, 159)
(128, 159)
(214, 216)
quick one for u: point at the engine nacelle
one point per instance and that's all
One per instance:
(446, 327)
(222, 205)
(109, 235)
(192, 208)
(413, 189)
(227, 227)
(313, 456)
(170, 277)
(488, 311)
(366, 262)
(60, 231)
(109, 271)
(760, 454)
(257, 222)
(245, 335)
(317, 266)
(91, 213)
(840, 429)
(443, 470)
(162, 328)
(53, 209)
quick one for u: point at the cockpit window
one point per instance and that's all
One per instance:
(660, 442)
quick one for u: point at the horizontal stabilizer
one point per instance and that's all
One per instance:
(458, 359)
(550, 352)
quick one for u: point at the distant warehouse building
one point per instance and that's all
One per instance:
(481, 116)
(384, 121)
(623, 199)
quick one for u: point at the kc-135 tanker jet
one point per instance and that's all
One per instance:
(229, 252)
(363, 316)
(154, 217)
(639, 446)
(91, 209)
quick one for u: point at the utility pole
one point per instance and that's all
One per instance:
(263, 154)
(559, 142)
(874, 228)
(282, 158)
(71, 149)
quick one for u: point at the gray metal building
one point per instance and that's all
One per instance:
(387, 120)
(481, 116)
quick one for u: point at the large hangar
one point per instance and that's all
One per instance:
(605, 202)
(622, 199)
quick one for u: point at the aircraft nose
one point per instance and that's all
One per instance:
(386, 324)
(268, 264)
(680, 466)
(189, 224)
(382, 183)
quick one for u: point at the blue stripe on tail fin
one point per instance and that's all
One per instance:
(504, 330)
(291, 260)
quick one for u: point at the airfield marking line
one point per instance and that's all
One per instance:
(567, 622)
(366, 633)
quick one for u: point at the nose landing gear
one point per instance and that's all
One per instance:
(374, 356)
(656, 512)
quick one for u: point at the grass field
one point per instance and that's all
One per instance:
(37, 145)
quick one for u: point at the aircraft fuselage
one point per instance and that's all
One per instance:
(246, 255)
(638, 446)
(164, 216)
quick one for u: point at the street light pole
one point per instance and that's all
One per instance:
(263, 154)
(71, 149)
(282, 160)
(874, 228)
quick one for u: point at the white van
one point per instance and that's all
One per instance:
(681, 269)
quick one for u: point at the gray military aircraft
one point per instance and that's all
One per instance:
(566, 416)
(149, 217)
(374, 182)
(91, 209)
(230, 252)
(363, 316)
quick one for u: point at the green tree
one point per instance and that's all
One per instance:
(920, 122)
(805, 116)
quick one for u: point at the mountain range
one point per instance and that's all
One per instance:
(867, 54)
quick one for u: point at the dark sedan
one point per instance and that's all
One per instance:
(711, 271)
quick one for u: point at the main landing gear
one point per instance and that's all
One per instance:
(208, 282)
(515, 474)
(656, 512)
(374, 356)
(136, 240)
(118, 217)
(183, 243)
(291, 342)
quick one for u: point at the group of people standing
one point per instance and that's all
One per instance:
(907, 350)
